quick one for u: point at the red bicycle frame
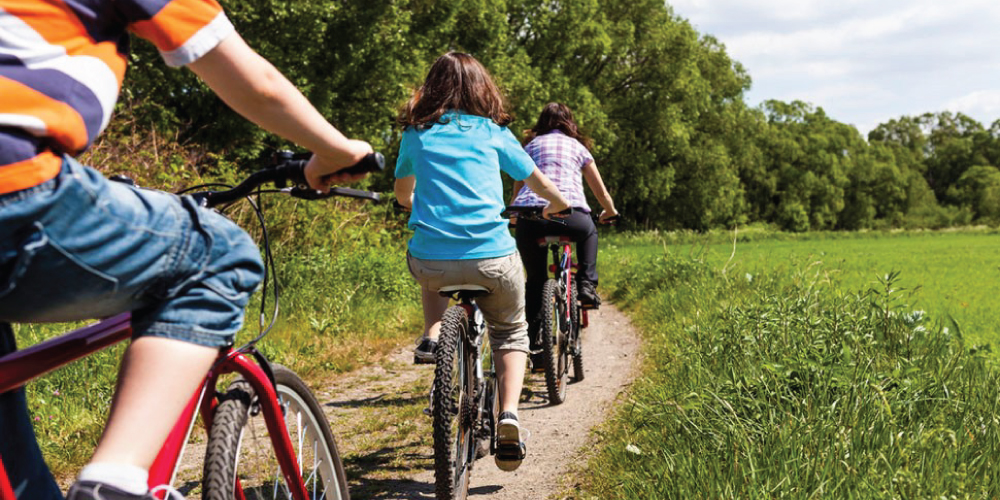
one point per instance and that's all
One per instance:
(19, 367)
(564, 254)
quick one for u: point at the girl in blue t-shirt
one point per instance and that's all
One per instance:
(455, 144)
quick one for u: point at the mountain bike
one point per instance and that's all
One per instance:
(267, 434)
(562, 315)
(464, 395)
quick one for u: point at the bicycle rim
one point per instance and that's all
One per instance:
(241, 457)
(454, 431)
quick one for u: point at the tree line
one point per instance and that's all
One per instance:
(674, 138)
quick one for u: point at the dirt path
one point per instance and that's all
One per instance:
(385, 439)
(560, 435)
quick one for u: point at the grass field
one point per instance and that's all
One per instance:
(953, 275)
(792, 370)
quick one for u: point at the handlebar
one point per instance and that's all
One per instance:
(531, 213)
(535, 213)
(290, 168)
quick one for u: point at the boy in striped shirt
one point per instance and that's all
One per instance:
(184, 272)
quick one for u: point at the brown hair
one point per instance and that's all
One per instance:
(456, 81)
(556, 116)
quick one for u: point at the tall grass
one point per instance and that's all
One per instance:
(786, 385)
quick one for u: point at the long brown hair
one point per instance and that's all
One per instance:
(456, 81)
(556, 116)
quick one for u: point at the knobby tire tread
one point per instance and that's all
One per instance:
(555, 382)
(577, 334)
(454, 327)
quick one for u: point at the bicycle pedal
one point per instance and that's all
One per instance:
(509, 456)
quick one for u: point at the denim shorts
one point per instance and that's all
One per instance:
(80, 246)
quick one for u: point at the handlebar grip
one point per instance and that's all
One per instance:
(296, 171)
(294, 167)
(372, 162)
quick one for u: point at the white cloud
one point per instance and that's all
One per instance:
(979, 103)
(863, 62)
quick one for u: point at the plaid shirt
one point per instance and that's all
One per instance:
(561, 158)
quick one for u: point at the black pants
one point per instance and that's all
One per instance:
(581, 229)
(22, 460)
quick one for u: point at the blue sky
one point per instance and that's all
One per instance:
(864, 62)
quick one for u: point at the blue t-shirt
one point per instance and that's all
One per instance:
(458, 196)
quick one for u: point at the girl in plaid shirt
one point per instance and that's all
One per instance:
(562, 153)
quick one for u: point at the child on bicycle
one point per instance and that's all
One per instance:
(563, 154)
(455, 144)
(75, 246)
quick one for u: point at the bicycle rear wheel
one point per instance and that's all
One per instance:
(240, 449)
(576, 334)
(554, 342)
(454, 408)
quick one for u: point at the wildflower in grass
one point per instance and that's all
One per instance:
(914, 318)
(55, 392)
(38, 419)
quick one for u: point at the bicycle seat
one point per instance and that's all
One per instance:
(553, 240)
(468, 290)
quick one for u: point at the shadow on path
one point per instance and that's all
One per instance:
(380, 401)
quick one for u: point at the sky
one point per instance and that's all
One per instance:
(864, 62)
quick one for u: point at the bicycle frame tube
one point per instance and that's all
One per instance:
(6, 492)
(562, 263)
(164, 468)
(567, 263)
(18, 367)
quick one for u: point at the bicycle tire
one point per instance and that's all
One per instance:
(576, 333)
(454, 431)
(239, 446)
(553, 343)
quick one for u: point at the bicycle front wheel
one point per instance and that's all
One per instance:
(454, 408)
(554, 342)
(241, 459)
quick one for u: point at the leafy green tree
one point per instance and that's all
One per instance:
(952, 149)
(676, 142)
(979, 190)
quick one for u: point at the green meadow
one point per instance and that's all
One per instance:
(804, 366)
(952, 275)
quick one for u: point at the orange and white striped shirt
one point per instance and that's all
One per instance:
(61, 68)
